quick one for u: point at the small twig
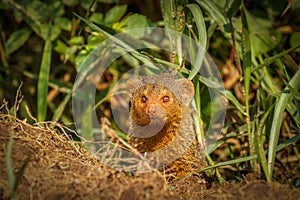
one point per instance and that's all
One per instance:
(29, 114)
(18, 100)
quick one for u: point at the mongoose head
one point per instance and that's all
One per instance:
(158, 99)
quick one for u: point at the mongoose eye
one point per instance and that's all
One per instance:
(144, 99)
(166, 99)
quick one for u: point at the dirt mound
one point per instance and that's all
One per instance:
(57, 168)
(48, 165)
(252, 188)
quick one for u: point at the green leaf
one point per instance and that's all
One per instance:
(86, 4)
(63, 23)
(60, 47)
(202, 37)
(80, 58)
(133, 21)
(97, 18)
(78, 40)
(70, 53)
(109, 1)
(43, 80)
(55, 31)
(70, 2)
(37, 10)
(235, 6)
(115, 14)
(55, 9)
(277, 120)
(16, 40)
(94, 40)
(295, 40)
(215, 13)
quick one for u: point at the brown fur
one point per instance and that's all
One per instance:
(161, 119)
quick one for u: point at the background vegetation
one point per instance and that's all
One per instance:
(254, 43)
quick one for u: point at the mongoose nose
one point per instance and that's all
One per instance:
(152, 109)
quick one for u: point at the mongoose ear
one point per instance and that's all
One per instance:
(187, 88)
(132, 84)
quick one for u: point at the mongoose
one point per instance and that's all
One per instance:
(161, 122)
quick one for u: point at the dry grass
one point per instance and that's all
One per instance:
(57, 167)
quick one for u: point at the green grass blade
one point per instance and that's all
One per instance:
(121, 43)
(197, 118)
(169, 15)
(254, 156)
(246, 51)
(293, 106)
(230, 162)
(174, 19)
(259, 144)
(43, 80)
(211, 162)
(234, 8)
(233, 100)
(60, 109)
(277, 120)
(60, 86)
(294, 110)
(13, 181)
(294, 92)
(226, 93)
(19, 175)
(87, 125)
(272, 59)
(216, 14)
(246, 48)
(9, 167)
(287, 143)
(202, 38)
(240, 131)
